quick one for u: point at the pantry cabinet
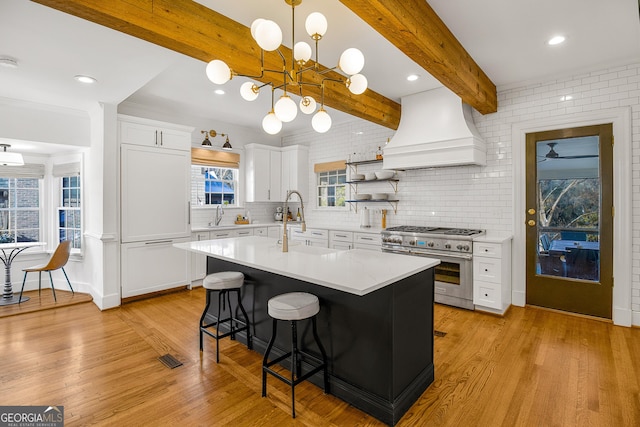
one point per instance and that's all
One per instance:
(155, 178)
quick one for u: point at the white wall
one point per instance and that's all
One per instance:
(482, 196)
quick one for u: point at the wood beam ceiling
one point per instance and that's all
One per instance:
(199, 32)
(414, 28)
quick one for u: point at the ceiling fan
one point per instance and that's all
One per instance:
(552, 154)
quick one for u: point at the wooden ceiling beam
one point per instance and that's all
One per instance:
(414, 28)
(189, 28)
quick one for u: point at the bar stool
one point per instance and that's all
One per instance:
(293, 306)
(224, 282)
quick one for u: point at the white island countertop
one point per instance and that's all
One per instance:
(356, 271)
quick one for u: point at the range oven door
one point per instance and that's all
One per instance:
(453, 276)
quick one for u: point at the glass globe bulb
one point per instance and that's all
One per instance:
(271, 124)
(269, 35)
(316, 25)
(301, 52)
(286, 109)
(218, 72)
(254, 25)
(321, 122)
(307, 105)
(249, 91)
(351, 61)
(357, 84)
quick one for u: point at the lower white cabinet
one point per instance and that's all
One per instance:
(310, 237)
(342, 240)
(152, 266)
(198, 261)
(370, 241)
(492, 275)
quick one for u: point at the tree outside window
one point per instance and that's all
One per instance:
(19, 210)
(332, 188)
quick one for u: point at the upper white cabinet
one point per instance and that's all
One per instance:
(263, 173)
(295, 170)
(137, 131)
(272, 171)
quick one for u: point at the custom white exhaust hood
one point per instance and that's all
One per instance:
(436, 129)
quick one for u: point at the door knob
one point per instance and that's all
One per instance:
(531, 223)
(531, 211)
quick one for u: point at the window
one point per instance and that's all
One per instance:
(332, 188)
(214, 177)
(19, 209)
(213, 186)
(70, 212)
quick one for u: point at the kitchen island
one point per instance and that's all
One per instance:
(375, 321)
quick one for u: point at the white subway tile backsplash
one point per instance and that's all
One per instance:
(482, 197)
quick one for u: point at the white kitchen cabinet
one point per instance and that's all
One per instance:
(154, 193)
(198, 261)
(152, 266)
(370, 241)
(341, 240)
(244, 232)
(310, 237)
(492, 275)
(155, 178)
(295, 170)
(275, 232)
(138, 131)
(261, 231)
(263, 173)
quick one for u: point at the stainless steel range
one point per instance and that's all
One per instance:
(452, 246)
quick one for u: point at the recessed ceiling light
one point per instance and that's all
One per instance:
(556, 40)
(413, 77)
(8, 62)
(218, 92)
(85, 79)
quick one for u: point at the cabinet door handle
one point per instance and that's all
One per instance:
(189, 213)
(366, 238)
(158, 242)
(161, 138)
(156, 138)
(341, 235)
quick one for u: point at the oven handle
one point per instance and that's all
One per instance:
(466, 257)
(439, 255)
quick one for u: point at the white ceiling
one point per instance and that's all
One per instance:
(505, 37)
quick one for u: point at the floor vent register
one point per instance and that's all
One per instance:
(169, 361)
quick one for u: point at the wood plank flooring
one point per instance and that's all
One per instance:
(531, 368)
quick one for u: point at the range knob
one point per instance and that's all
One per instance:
(463, 248)
(431, 244)
(412, 242)
(447, 245)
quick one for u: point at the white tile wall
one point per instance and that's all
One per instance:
(481, 197)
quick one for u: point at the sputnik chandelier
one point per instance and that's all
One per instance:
(268, 35)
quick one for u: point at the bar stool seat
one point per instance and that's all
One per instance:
(293, 307)
(224, 282)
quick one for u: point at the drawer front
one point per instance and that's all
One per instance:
(223, 234)
(244, 232)
(491, 250)
(368, 239)
(486, 295)
(487, 269)
(341, 236)
(311, 233)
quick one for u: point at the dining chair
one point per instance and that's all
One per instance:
(57, 261)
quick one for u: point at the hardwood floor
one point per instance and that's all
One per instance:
(531, 368)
